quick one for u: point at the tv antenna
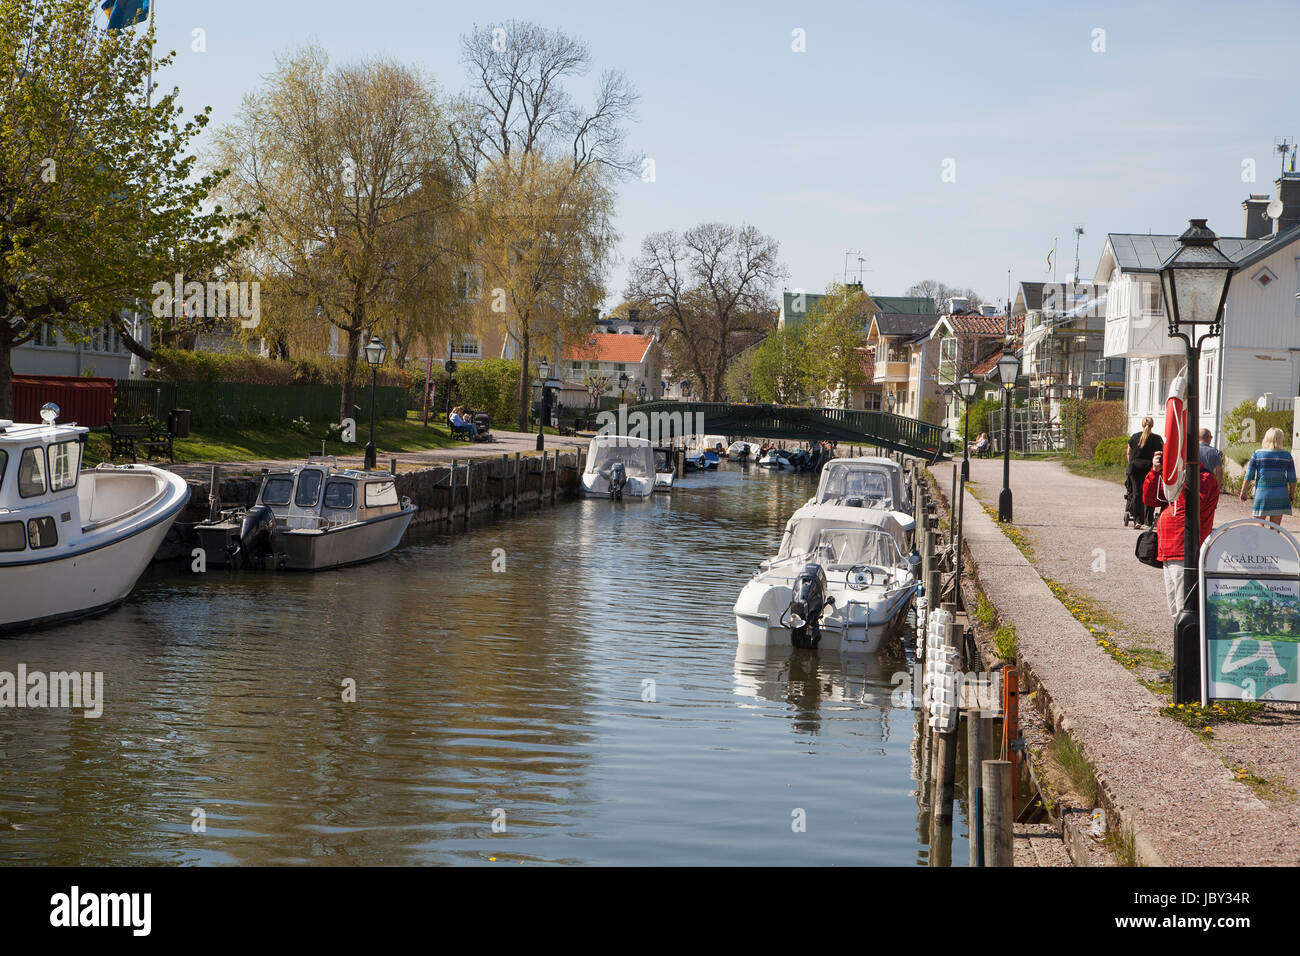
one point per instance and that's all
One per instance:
(850, 252)
(1283, 145)
(1078, 234)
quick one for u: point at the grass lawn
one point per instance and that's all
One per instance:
(279, 441)
(1090, 469)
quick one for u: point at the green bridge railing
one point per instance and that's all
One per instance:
(911, 436)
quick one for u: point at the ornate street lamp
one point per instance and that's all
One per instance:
(375, 353)
(543, 373)
(1195, 282)
(622, 385)
(968, 387)
(1008, 372)
(641, 392)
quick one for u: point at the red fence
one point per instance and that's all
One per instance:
(86, 401)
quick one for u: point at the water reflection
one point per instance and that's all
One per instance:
(590, 696)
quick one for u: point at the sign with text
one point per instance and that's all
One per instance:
(1250, 613)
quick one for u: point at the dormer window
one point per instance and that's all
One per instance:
(31, 473)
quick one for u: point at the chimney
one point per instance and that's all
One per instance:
(1258, 224)
(1288, 190)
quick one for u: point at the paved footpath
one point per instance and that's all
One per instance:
(1185, 805)
(503, 443)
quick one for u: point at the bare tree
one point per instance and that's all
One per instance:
(712, 287)
(941, 292)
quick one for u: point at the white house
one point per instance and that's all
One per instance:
(1259, 351)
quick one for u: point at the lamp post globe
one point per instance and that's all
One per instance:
(967, 387)
(1194, 281)
(1008, 372)
(375, 353)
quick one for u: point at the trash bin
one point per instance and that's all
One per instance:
(178, 422)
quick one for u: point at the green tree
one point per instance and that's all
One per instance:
(834, 331)
(98, 196)
(779, 370)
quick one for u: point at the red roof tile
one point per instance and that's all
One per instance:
(610, 347)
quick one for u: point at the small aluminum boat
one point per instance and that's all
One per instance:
(311, 518)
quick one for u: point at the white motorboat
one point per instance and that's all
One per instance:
(619, 466)
(865, 482)
(665, 472)
(744, 451)
(73, 542)
(841, 581)
(311, 518)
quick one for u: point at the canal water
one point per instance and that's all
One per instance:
(560, 688)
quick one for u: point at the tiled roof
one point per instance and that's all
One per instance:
(868, 353)
(610, 347)
(978, 324)
(908, 324)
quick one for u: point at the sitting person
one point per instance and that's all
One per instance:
(460, 423)
(981, 444)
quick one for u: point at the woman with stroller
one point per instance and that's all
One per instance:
(1171, 529)
(1142, 448)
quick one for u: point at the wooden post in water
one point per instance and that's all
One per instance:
(541, 482)
(501, 492)
(978, 734)
(945, 768)
(555, 476)
(469, 490)
(514, 501)
(451, 494)
(999, 812)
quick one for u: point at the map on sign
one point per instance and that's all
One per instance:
(1250, 613)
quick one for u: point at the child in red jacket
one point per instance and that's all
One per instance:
(1169, 529)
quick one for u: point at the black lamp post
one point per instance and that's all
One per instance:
(543, 373)
(622, 385)
(375, 353)
(450, 367)
(1195, 282)
(968, 387)
(1008, 372)
(641, 392)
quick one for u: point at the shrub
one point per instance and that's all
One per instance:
(1110, 451)
(1101, 421)
(486, 385)
(979, 416)
(183, 365)
(1239, 423)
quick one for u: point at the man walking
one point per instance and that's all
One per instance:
(1211, 457)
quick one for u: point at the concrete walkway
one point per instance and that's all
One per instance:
(503, 443)
(1185, 806)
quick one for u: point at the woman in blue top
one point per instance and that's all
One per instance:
(1273, 472)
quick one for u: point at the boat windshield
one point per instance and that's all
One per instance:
(842, 481)
(846, 547)
(637, 458)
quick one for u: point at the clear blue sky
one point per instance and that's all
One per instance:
(842, 147)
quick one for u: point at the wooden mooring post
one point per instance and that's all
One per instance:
(945, 762)
(514, 500)
(501, 489)
(978, 733)
(469, 490)
(999, 813)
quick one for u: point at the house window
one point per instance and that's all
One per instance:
(1207, 386)
(1265, 277)
(465, 347)
(469, 283)
(1151, 298)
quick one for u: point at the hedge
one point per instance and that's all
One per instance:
(484, 385)
(1237, 430)
(1110, 451)
(243, 368)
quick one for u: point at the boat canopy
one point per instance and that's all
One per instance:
(877, 481)
(804, 531)
(636, 454)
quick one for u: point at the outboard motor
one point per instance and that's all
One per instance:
(617, 480)
(807, 602)
(252, 543)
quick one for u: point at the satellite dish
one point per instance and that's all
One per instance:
(1275, 209)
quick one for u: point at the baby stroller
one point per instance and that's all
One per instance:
(1135, 512)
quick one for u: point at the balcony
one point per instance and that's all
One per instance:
(891, 371)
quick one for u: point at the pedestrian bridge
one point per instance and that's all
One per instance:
(910, 436)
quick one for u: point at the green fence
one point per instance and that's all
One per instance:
(213, 404)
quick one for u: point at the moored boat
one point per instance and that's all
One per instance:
(310, 518)
(73, 542)
(619, 466)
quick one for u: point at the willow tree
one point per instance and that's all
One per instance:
(544, 166)
(98, 195)
(351, 168)
(544, 243)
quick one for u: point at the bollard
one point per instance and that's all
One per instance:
(999, 812)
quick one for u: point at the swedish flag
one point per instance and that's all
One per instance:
(125, 13)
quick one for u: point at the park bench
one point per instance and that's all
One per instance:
(131, 440)
(460, 432)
